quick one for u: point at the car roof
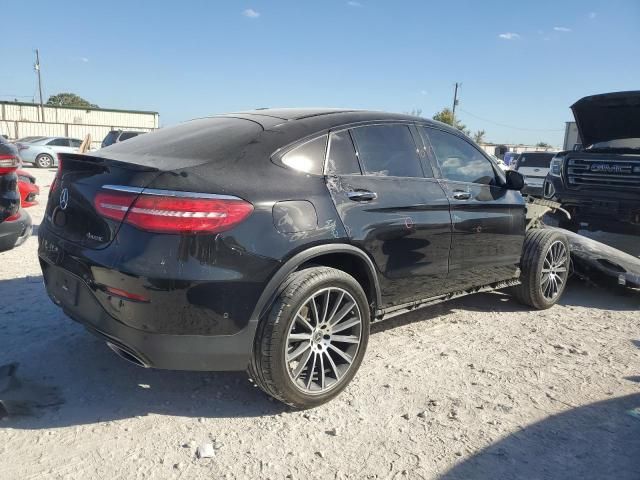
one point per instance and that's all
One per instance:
(323, 118)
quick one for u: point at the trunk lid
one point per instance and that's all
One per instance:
(606, 117)
(71, 213)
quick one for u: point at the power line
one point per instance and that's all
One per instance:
(512, 127)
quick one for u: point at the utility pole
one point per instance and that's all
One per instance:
(37, 69)
(455, 102)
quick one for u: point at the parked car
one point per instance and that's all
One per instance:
(115, 136)
(510, 158)
(271, 239)
(28, 188)
(503, 166)
(15, 222)
(43, 152)
(534, 166)
(600, 184)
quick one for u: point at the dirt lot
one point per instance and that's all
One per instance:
(477, 388)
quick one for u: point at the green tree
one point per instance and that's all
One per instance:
(446, 116)
(478, 137)
(543, 145)
(69, 100)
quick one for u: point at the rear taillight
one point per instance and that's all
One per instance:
(8, 163)
(166, 213)
(22, 146)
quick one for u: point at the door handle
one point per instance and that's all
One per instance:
(461, 195)
(362, 195)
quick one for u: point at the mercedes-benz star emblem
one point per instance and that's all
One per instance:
(64, 198)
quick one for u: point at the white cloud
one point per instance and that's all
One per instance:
(509, 36)
(423, 92)
(562, 29)
(353, 3)
(84, 59)
(250, 13)
(592, 15)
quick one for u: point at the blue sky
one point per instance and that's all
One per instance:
(521, 65)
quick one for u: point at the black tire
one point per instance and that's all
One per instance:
(44, 161)
(534, 284)
(269, 367)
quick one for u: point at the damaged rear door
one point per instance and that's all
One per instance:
(392, 207)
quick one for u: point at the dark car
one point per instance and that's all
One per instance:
(115, 136)
(270, 239)
(15, 223)
(600, 183)
(534, 166)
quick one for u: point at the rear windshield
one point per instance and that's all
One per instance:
(217, 140)
(535, 159)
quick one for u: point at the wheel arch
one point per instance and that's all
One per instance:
(341, 256)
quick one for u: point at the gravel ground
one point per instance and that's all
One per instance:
(475, 388)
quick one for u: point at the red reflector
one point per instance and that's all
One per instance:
(169, 214)
(124, 294)
(8, 163)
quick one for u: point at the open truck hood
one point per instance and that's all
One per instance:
(608, 116)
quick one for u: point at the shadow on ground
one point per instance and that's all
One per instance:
(65, 376)
(597, 441)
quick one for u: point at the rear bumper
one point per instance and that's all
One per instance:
(174, 352)
(16, 232)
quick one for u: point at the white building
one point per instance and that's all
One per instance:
(499, 149)
(18, 119)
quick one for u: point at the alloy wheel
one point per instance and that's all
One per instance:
(554, 270)
(44, 161)
(323, 340)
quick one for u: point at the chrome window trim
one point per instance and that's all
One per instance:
(169, 193)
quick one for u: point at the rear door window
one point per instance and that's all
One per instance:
(59, 142)
(459, 160)
(387, 150)
(75, 143)
(342, 159)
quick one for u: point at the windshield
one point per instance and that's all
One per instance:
(624, 143)
(28, 139)
(535, 159)
(110, 139)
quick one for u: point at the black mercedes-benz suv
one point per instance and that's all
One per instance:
(269, 240)
(600, 183)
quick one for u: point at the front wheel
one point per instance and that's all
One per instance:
(44, 161)
(545, 268)
(313, 340)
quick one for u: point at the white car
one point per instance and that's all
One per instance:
(534, 166)
(43, 151)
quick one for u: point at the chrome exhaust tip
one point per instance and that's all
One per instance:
(127, 355)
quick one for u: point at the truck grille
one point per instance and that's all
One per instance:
(615, 174)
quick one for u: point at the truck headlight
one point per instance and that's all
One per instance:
(555, 168)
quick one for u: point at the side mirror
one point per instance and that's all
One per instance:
(515, 180)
